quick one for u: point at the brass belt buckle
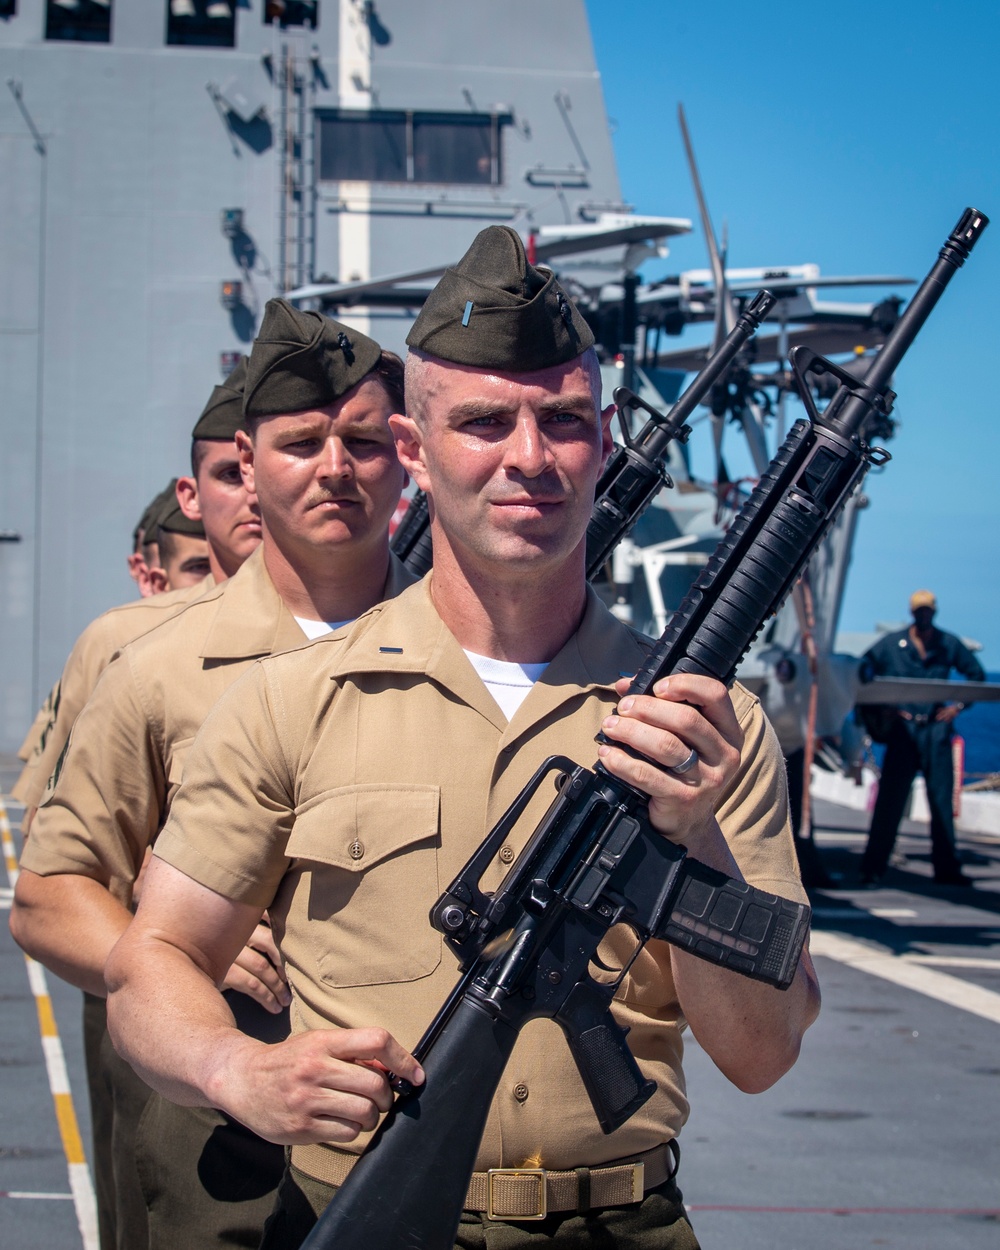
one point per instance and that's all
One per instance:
(542, 1204)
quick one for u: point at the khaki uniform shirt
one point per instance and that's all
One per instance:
(33, 738)
(128, 746)
(90, 656)
(345, 784)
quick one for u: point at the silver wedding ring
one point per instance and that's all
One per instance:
(685, 765)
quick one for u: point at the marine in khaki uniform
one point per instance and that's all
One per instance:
(329, 481)
(344, 783)
(232, 530)
(30, 784)
(138, 569)
(183, 551)
(213, 499)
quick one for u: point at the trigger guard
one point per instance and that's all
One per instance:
(599, 962)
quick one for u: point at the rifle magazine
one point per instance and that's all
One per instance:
(737, 926)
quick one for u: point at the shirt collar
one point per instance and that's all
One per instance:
(251, 619)
(407, 636)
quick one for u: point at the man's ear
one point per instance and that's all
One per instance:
(142, 578)
(410, 448)
(187, 497)
(157, 581)
(244, 449)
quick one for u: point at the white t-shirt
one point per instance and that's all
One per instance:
(316, 629)
(507, 682)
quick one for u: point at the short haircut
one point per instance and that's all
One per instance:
(388, 370)
(417, 385)
(199, 451)
(166, 541)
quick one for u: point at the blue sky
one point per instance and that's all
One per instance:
(851, 135)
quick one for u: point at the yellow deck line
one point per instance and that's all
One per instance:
(55, 1064)
(46, 1018)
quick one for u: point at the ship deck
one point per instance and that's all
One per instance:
(884, 1134)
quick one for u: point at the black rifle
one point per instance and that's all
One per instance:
(594, 861)
(412, 539)
(635, 472)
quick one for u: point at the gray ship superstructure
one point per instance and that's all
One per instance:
(169, 165)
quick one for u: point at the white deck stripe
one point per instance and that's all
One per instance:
(37, 1197)
(953, 961)
(55, 1062)
(36, 979)
(880, 963)
(86, 1204)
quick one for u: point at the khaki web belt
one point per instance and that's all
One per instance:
(526, 1193)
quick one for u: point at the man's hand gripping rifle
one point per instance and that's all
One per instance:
(595, 861)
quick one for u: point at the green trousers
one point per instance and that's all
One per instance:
(117, 1101)
(172, 1177)
(208, 1182)
(659, 1222)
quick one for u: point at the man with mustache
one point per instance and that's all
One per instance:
(363, 771)
(317, 458)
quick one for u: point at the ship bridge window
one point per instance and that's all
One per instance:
(292, 13)
(8, 8)
(202, 23)
(384, 146)
(87, 21)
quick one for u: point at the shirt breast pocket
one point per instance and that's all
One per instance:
(368, 859)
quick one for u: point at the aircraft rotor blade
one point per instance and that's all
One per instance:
(827, 340)
(896, 690)
(611, 230)
(725, 314)
(722, 312)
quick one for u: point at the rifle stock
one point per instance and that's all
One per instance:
(441, 1123)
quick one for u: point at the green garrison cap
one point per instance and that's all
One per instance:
(222, 416)
(303, 360)
(173, 520)
(150, 519)
(495, 311)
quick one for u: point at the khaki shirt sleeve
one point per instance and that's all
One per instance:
(35, 736)
(106, 804)
(30, 751)
(86, 662)
(753, 814)
(230, 819)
